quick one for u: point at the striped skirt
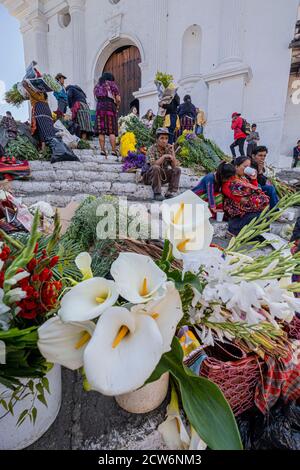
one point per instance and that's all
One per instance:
(83, 119)
(44, 121)
(187, 124)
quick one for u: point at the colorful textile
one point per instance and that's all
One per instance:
(106, 118)
(44, 121)
(82, 117)
(207, 191)
(108, 89)
(243, 197)
(280, 379)
(187, 124)
(18, 170)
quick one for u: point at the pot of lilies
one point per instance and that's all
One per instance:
(32, 268)
(121, 332)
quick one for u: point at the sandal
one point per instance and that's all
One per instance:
(103, 153)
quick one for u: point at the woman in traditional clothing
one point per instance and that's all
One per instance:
(41, 116)
(108, 99)
(210, 187)
(187, 114)
(81, 114)
(243, 199)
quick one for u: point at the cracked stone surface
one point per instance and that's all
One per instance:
(90, 421)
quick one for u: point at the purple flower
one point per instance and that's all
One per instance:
(133, 161)
(191, 136)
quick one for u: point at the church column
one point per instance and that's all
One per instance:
(231, 41)
(77, 8)
(38, 40)
(160, 35)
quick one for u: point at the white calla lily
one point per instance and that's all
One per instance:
(173, 429)
(185, 243)
(196, 441)
(84, 262)
(167, 312)
(88, 300)
(123, 352)
(64, 343)
(138, 279)
(187, 211)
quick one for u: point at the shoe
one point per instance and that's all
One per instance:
(170, 195)
(103, 153)
(158, 197)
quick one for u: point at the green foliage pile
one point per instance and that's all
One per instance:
(200, 152)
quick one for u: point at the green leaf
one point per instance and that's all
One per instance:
(45, 382)
(34, 414)
(42, 399)
(22, 417)
(204, 404)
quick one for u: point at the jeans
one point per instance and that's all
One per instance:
(272, 193)
(240, 144)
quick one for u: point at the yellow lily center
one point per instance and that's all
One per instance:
(144, 289)
(83, 340)
(102, 299)
(155, 316)
(120, 336)
(182, 245)
(178, 214)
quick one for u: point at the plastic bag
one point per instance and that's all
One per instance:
(69, 139)
(280, 429)
(60, 151)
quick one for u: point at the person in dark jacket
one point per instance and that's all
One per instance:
(187, 113)
(296, 156)
(80, 110)
(171, 111)
(258, 162)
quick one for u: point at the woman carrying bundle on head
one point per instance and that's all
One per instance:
(210, 186)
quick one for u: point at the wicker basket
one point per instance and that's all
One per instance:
(234, 372)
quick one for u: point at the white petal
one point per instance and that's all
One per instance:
(184, 242)
(129, 272)
(169, 311)
(84, 262)
(195, 211)
(18, 277)
(125, 368)
(196, 441)
(80, 303)
(57, 342)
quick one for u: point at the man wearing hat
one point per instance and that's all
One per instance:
(162, 166)
(61, 96)
(239, 134)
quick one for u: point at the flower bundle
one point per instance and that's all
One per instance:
(14, 97)
(197, 152)
(133, 161)
(128, 143)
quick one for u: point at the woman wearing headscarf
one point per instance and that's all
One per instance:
(108, 99)
(187, 113)
(81, 114)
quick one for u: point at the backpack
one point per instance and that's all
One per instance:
(246, 127)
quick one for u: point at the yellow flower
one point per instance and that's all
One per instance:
(128, 143)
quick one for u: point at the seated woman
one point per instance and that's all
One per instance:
(209, 188)
(243, 199)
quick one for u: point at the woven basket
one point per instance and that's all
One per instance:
(234, 372)
(294, 328)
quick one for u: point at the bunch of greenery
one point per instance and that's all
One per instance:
(22, 149)
(142, 134)
(14, 97)
(164, 78)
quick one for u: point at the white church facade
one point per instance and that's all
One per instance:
(230, 55)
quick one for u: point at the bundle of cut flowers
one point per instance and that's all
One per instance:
(128, 144)
(31, 281)
(133, 161)
(135, 125)
(14, 97)
(198, 152)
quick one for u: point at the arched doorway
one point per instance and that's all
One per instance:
(124, 65)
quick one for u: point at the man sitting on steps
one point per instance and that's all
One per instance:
(162, 166)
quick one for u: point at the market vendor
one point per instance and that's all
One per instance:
(210, 187)
(243, 199)
(81, 114)
(41, 117)
(10, 126)
(162, 166)
(61, 96)
(258, 162)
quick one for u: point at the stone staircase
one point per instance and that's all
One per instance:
(61, 183)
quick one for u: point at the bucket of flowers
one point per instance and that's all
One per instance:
(32, 268)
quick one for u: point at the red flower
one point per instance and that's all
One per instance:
(54, 261)
(32, 265)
